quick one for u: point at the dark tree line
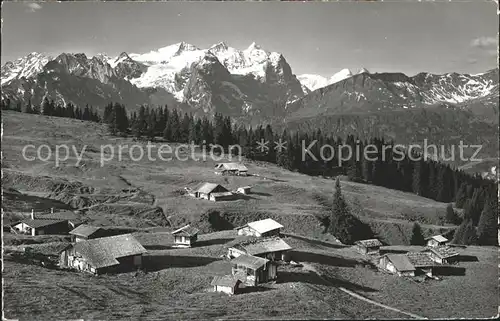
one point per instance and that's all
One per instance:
(384, 166)
(50, 108)
(387, 167)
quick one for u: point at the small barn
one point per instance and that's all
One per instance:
(118, 253)
(228, 284)
(368, 247)
(73, 219)
(86, 232)
(231, 169)
(244, 190)
(262, 228)
(442, 254)
(204, 190)
(223, 196)
(253, 270)
(397, 264)
(422, 263)
(273, 248)
(436, 240)
(185, 236)
(41, 227)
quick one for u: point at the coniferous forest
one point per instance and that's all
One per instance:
(427, 178)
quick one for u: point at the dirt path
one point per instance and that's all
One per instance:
(311, 268)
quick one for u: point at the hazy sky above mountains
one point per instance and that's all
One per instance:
(319, 38)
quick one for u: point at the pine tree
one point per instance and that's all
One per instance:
(342, 224)
(46, 107)
(174, 126)
(487, 226)
(461, 196)
(29, 109)
(417, 237)
(451, 215)
(139, 126)
(465, 234)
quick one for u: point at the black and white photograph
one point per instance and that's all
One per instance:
(250, 160)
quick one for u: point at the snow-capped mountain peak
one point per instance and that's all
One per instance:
(362, 71)
(341, 75)
(313, 82)
(25, 67)
(221, 46)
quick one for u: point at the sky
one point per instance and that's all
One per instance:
(314, 37)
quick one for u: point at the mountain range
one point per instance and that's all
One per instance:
(256, 86)
(252, 83)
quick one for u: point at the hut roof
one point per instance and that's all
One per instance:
(264, 245)
(401, 262)
(443, 252)
(438, 238)
(226, 280)
(222, 194)
(36, 223)
(105, 251)
(187, 230)
(207, 188)
(265, 225)
(250, 261)
(420, 259)
(231, 167)
(369, 243)
(84, 230)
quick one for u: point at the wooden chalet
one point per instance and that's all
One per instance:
(436, 240)
(244, 190)
(41, 227)
(262, 228)
(212, 192)
(86, 232)
(368, 247)
(272, 248)
(253, 270)
(71, 217)
(104, 255)
(185, 236)
(398, 264)
(442, 254)
(228, 284)
(231, 169)
(422, 262)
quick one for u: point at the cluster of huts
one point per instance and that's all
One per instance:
(436, 254)
(254, 261)
(41, 224)
(216, 192)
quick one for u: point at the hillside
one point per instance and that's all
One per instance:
(146, 197)
(176, 285)
(146, 194)
(438, 125)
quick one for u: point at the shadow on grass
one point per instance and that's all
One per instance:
(252, 289)
(448, 270)
(261, 194)
(391, 251)
(468, 258)
(325, 259)
(203, 243)
(313, 241)
(245, 197)
(313, 278)
(158, 247)
(153, 263)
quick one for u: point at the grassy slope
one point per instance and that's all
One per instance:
(177, 286)
(125, 193)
